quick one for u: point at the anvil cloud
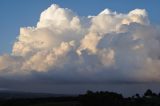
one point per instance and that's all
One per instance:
(107, 47)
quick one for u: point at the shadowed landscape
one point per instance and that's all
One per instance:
(99, 98)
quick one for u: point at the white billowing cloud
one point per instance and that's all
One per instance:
(44, 60)
(107, 57)
(89, 42)
(110, 46)
(56, 25)
(59, 19)
(138, 15)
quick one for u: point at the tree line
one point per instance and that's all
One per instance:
(90, 98)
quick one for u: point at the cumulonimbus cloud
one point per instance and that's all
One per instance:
(110, 46)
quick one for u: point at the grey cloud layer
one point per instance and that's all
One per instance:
(110, 46)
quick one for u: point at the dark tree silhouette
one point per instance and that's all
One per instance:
(148, 93)
(137, 95)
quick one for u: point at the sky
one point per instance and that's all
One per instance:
(55, 44)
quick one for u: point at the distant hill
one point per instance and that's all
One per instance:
(7, 94)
